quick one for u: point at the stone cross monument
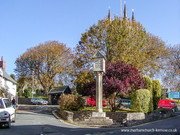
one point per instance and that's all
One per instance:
(98, 117)
(99, 69)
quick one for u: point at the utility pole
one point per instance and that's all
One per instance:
(32, 83)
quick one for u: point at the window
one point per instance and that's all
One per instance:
(1, 104)
(7, 103)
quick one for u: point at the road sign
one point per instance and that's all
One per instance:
(174, 94)
(33, 92)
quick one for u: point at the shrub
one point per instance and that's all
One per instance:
(149, 86)
(27, 93)
(71, 102)
(20, 93)
(156, 93)
(140, 100)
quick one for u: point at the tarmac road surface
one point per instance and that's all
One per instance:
(44, 123)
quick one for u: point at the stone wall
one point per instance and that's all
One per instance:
(118, 117)
(139, 118)
(81, 116)
(75, 115)
(37, 107)
(66, 115)
(26, 101)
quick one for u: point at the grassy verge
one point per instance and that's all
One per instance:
(176, 100)
(106, 109)
(34, 96)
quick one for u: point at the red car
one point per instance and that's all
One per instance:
(167, 104)
(92, 101)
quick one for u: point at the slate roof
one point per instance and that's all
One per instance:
(7, 77)
(98, 55)
(57, 90)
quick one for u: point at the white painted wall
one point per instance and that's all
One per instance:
(8, 85)
(1, 74)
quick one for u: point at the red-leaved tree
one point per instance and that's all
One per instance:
(119, 79)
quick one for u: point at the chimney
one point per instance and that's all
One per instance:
(2, 63)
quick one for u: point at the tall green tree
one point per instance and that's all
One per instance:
(121, 40)
(82, 78)
(149, 86)
(156, 93)
(45, 62)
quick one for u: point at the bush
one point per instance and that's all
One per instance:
(71, 102)
(40, 92)
(156, 93)
(20, 93)
(27, 93)
(140, 100)
(149, 86)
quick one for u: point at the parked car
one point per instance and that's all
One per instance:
(168, 104)
(39, 101)
(7, 112)
(92, 102)
(125, 102)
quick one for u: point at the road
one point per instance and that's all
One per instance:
(44, 123)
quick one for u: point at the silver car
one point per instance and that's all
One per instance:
(39, 101)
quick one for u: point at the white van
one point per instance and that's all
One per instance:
(7, 112)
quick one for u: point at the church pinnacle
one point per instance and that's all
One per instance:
(125, 10)
(109, 15)
(133, 15)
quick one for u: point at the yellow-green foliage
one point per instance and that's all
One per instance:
(121, 40)
(148, 82)
(156, 93)
(140, 100)
(71, 102)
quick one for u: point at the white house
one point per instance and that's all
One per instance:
(6, 82)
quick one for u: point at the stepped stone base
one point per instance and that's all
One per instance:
(97, 119)
(98, 114)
